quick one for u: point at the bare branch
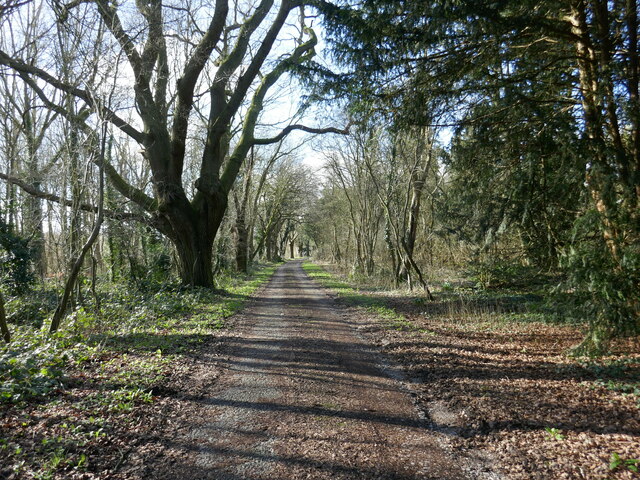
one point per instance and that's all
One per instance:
(186, 85)
(109, 14)
(12, 5)
(301, 54)
(287, 130)
(260, 56)
(105, 112)
(31, 190)
(112, 20)
(129, 191)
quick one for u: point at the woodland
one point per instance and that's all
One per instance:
(470, 163)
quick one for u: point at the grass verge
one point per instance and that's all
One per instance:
(353, 297)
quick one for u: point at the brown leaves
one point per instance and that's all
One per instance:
(511, 390)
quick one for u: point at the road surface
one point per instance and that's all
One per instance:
(303, 395)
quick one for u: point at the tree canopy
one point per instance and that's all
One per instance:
(158, 73)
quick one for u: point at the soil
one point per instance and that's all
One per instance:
(299, 392)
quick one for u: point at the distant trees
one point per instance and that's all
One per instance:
(270, 201)
(377, 181)
(346, 168)
(402, 182)
(540, 98)
(281, 209)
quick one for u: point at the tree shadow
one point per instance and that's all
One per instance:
(146, 342)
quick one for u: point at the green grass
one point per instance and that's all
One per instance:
(353, 297)
(475, 310)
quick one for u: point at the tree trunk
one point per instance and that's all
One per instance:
(599, 176)
(33, 206)
(74, 246)
(94, 283)
(633, 85)
(194, 247)
(414, 265)
(4, 329)
(242, 246)
(34, 226)
(194, 261)
(269, 249)
(393, 254)
(282, 247)
(61, 310)
(337, 255)
(243, 240)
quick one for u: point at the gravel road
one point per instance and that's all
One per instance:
(301, 394)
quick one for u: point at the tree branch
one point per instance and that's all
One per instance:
(129, 191)
(287, 130)
(31, 190)
(11, 5)
(302, 53)
(221, 111)
(253, 69)
(106, 113)
(145, 101)
(112, 20)
(186, 84)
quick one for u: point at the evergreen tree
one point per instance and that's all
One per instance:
(544, 96)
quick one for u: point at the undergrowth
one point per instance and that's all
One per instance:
(171, 320)
(117, 358)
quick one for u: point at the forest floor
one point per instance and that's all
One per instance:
(492, 373)
(355, 384)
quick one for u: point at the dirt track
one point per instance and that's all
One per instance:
(301, 394)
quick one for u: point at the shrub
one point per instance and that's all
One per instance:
(15, 260)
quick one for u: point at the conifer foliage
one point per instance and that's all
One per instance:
(542, 99)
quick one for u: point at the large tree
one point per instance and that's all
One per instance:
(179, 65)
